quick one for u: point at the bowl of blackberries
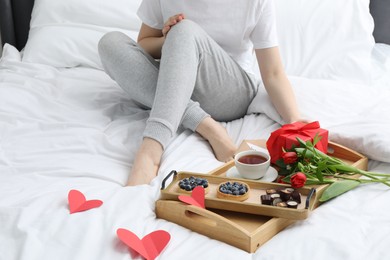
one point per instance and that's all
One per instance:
(188, 184)
(233, 190)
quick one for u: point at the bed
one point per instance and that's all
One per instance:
(64, 124)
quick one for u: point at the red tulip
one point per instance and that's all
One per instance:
(298, 180)
(290, 157)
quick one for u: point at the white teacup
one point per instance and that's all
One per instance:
(252, 164)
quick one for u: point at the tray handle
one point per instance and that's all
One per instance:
(203, 221)
(173, 172)
(309, 196)
(213, 221)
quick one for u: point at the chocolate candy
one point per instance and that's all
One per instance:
(271, 191)
(295, 195)
(266, 199)
(292, 204)
(281, 204)
(285, 194)
(285, 198)
(276, 201)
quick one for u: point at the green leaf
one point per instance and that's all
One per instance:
(337, 188)
(346, 168)
(283, 172)
(332, 168)
(280, 163)
(301, 142)
(311, 177)
(287, 179)
(304, 152)
(316, 139)
(313, 182)
(319, 175)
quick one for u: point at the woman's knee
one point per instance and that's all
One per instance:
(185, 28)
(112, 41)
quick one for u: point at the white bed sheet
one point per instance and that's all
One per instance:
(75, 129)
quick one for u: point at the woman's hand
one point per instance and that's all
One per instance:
(302, 120)
(171, 22)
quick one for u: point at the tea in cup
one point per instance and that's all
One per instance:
(252, 164)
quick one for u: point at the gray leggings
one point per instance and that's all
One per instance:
(194, 78)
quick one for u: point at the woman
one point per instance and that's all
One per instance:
(192, 66)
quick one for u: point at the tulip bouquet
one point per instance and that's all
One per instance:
(305, 165)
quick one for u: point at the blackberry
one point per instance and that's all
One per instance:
(190, 183)
(234, 188)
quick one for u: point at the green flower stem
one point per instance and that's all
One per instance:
(379, 174)
(340, 165)
(362, 180)
(367, 174)
(318, 182)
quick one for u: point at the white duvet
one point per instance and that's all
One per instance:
(75, 129)
(357, 116)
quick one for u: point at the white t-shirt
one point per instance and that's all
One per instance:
(238, 26)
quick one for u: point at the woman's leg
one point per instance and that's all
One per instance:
(136, 72)
(204, 71)
(193, 66)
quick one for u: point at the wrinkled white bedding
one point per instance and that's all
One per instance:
(63, 129)
(357, 116)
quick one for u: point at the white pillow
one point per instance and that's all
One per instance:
(329, 39)
(66, 33)
(318, 39)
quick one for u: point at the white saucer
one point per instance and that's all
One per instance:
(269, 176)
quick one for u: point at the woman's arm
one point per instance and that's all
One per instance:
(152, 40)
(277, 85)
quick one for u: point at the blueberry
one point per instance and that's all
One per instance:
(187, 187)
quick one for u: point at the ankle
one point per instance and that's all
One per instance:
(152, 149)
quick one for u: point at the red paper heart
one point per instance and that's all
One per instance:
(196, 198)
(77, 202)
(150, 246)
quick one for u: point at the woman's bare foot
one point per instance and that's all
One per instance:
(146, 163)
(220, 141)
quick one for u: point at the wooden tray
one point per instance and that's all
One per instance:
(245, 231)
(242, 230)
(251, 205)
(336, 150)
(343, 153)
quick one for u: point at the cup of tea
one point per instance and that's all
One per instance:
(252, 164)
